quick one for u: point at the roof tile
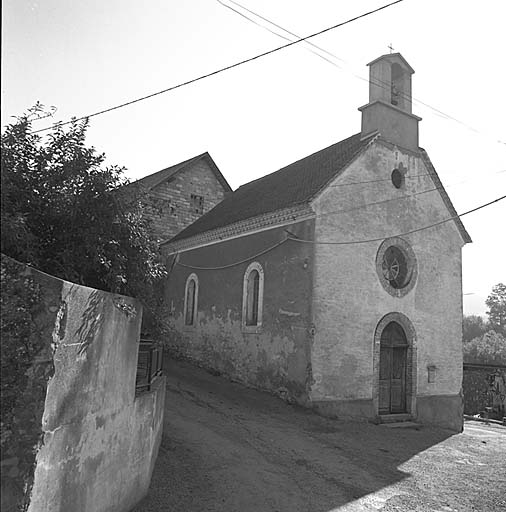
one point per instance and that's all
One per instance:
(152, 180)
(292, 185)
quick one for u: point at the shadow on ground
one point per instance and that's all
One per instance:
(229, 448)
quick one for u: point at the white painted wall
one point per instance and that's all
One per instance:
(348, 298)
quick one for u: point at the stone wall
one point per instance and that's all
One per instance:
(274, 357)
(350, 300)
(30, 302)
(169, 204)
(481, 389)
(97, 442)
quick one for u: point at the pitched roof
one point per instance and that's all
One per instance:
(152, 180)
(292, 185)
(392, 56)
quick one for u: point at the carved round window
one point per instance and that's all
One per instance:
(396, 266)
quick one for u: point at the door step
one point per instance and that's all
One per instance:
(401, 424)
(395, 418)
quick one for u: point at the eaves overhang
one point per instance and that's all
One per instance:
(245, 227)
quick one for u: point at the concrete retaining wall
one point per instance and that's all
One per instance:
(99, 441)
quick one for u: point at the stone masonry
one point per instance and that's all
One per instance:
(175, 203)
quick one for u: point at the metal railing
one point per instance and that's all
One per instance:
(149, 364)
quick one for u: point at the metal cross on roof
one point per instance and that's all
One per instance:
(391, 47)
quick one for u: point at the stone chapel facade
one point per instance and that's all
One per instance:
(335, 281)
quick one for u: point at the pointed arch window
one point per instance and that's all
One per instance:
(252, 297)
(191, 300)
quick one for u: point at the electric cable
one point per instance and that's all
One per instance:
(398, 198)
(271, 248)
(301, 240)
(383, 201)
(423, 175)
(220, 70)
(375, 81)
(351, 242)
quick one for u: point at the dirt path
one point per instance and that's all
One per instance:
(228, 448)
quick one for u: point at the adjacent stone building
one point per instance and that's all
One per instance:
(178, 195)
(335, 281)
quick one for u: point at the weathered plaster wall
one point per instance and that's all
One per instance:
(349, 300)
(99, 441)
(277, 356)
(169, 204)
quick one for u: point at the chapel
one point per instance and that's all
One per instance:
(334, 282)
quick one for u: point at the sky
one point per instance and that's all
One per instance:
(88, 55)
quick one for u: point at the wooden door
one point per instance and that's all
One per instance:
(392, 370)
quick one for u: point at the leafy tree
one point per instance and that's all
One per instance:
(496, 303)
(490, 348)
(66, 213)
(473, 326)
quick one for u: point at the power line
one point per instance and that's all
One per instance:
(347, 210)
(359, 207)
(265, 251)
(271, 248)
(423, 175)
(383, 201)
(454, 217)
(397, 198)
(280, 27)
(375, 81)
(226, 68)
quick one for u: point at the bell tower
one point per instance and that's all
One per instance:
(389, 107)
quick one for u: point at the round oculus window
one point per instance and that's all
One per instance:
(396, 266)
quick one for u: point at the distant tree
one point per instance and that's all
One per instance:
(496, 303)
(65, 212)
(473, 326)
(490, 348)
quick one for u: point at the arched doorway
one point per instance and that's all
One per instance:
(393, 370)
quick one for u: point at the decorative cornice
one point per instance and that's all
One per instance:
(245, 227)
(391, 145)
(390, 106)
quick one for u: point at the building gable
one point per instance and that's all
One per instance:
(152, 180)
(177, 196)
(446, 198)
(360, 188)
(360, 216)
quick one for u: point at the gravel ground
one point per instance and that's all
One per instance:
(228, 448)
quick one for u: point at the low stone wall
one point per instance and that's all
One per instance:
(29, 309)
(96, 442)
(483, 387)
